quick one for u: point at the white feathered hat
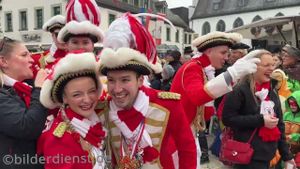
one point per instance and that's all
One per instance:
(56, 22)
(216, 39)
(124, 59)
(84, 28)
(127, 31)
(72, 66)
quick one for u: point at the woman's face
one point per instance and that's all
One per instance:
(18, 64)
(287, 60)
(277, 60)
(264, 69)
(81, 94)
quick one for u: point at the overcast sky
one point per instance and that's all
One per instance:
(178, 3)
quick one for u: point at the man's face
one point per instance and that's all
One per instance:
(59, 45)
(235, 55)
(218, 56)
(123, 86)
(80, 43)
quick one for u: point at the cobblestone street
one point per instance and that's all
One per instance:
(214, 162)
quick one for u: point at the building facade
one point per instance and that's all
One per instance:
(23, 20)
(224, 15)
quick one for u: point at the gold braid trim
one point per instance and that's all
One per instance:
(199, 121)
(214, 40)
(131, 62)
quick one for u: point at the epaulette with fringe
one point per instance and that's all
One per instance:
(169, 95)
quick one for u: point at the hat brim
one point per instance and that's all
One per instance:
(136, 67)
(213, 43)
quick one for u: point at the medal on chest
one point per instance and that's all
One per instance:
(131, 154)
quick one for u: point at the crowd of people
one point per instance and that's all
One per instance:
(125, 108)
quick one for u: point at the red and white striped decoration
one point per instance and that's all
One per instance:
(82, 10)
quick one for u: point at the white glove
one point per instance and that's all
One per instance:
(245, 65)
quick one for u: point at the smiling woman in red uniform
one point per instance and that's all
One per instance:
(75, 138)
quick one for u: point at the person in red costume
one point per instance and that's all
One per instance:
(143, 121)
(196, 81)
(48, 58)
(75, 138)
(82, 29)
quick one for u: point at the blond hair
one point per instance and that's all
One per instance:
(7, 46)
(250, 78)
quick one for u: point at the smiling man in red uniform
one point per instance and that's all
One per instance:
(196, 82)
(144, 121)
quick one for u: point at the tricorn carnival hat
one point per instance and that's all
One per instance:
(239, 46)
(84, 28)
(292, 51)
(56, 22)
(127, 31)
(83, 19)
(216, 39)
(83, 10)
(70, 67)
(124, 59)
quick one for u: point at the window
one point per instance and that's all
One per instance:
(185, 38)
(136, 3)
(279, 14)
(56, 10)
(39, 18)
(217, 4)
(221, 26)
(8, 22)
(111, 18)
(205, 28)
(23, 20)
(190, 38)
(256, 18)
(242, 3)
(125, 1)
(238, 22)
(168, 34)
(177, 36)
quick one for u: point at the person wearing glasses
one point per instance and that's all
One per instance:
(22, 116)
(46, 59)
(291, 66)
(254, 107)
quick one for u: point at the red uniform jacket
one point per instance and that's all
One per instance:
(64, 152)
(167, 126)
(189, 81)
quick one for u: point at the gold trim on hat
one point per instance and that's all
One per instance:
(72, 75)
(202, 45)
(131, 62)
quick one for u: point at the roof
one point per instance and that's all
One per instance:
(125, 7)
(118, 5)
(205, 8)
(182, 12)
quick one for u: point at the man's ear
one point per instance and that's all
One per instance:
(141, 81)
(3, 62)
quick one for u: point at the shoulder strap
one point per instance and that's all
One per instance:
(252, 135)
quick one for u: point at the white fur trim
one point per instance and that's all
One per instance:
(114, 59)
(54, 20)
(77, 28)
(236, 37)
(70, 63)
